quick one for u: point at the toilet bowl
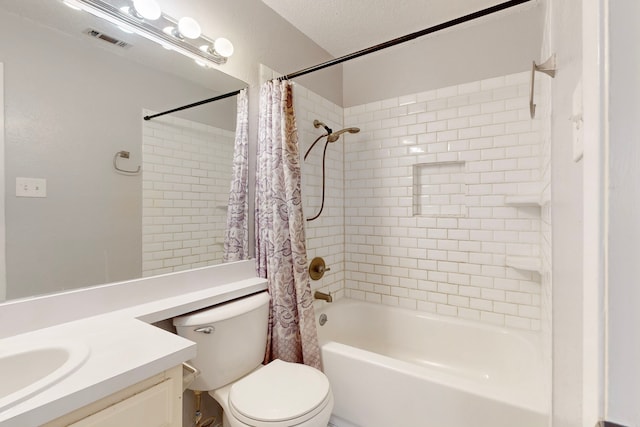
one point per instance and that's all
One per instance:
(231, 339)
(280, 394)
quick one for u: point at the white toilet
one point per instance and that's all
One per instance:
(231, 341)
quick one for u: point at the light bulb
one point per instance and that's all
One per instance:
(223, 46)
(148, 9)
(189, 27)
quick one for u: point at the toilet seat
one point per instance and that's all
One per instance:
(279, 394)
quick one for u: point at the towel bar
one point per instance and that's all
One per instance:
(124, 155)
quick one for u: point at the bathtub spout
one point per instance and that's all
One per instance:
(323, 296)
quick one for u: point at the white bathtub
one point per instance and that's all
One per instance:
(391, 367)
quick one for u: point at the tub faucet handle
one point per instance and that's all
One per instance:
(317, 268)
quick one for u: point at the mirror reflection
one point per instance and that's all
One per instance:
(73, 106)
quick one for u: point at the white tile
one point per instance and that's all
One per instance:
(447, 92)
(407, 99)
(493, 83)
(494, 318)
(447, 310)
(409, 256)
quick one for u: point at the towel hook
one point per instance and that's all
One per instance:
(549, 68)
(124, 155)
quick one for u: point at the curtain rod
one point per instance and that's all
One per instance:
(408, 37)
(195, 104)
(461, 20)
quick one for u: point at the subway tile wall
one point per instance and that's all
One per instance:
(325, 235)
(480, 262)
(186, 174)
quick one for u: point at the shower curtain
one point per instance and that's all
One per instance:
(280, 238)
(236, 240)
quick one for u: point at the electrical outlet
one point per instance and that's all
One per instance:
(31, 187)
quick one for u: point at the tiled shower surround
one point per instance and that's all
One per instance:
(442, 200)
(185, 187)
(325, 235)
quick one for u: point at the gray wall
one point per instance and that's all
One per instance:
(493, 46)
(69, 108)
(624, 215)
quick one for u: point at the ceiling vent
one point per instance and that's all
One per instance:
(104, 37)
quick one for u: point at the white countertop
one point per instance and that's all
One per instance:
(124, 350)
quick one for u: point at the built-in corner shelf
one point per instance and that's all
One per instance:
(523, 200)
(524, 263)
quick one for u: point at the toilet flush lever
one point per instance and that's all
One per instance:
(205, 329)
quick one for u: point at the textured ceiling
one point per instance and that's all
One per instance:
(345, 26)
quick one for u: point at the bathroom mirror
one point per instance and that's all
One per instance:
(72, 103)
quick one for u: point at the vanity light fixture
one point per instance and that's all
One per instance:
(223, 47)
(147, 9)
(145, 18)
(189, 28)
(71, 5)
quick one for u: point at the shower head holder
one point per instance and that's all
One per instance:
(318, 123)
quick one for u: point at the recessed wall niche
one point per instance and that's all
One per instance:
(439, 189)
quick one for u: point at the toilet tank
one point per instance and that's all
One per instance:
(231, 339)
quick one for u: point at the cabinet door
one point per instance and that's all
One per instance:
(154, 407)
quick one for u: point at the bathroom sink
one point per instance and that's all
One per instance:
(28, 369)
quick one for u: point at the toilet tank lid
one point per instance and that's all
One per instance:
(223, 311)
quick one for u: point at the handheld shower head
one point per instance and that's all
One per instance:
(333, 137)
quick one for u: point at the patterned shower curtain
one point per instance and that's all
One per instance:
(236, 240)
(280, 239)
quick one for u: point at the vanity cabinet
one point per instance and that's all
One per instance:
(155, 402)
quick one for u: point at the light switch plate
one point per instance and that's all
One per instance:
(31, 187)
